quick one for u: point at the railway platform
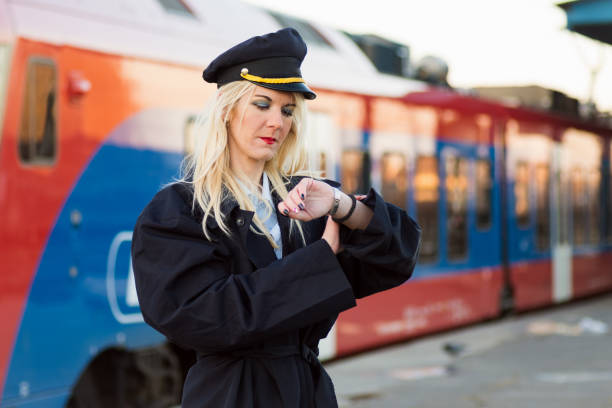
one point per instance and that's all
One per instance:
(559, 357)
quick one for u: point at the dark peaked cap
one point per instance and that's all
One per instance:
(271, 60)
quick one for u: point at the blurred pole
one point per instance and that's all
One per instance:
(594, 69)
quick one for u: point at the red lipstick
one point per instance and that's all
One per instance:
(269, 140)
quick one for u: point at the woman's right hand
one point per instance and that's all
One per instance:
(332, 234)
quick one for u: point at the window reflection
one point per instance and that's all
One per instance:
(456, 206)
(484, 191)
(426, 184)
(593, 200)
(521, 194)
(579, 206)
(355, 171)
(394, 179)
(564, 209)
(542, 207)
(586, 202)
(37, 136)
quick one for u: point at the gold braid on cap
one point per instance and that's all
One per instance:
(244, 73)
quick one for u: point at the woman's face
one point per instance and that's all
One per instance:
(258, 126)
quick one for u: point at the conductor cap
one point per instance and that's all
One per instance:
(271, 60)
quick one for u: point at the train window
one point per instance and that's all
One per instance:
(564, 209)
(176, 7)
(484, 193)
(426, 193)
(542, 184)
(579, 206)
(593, 204)
(310, 34)
(521, 194)
(394, 179)
(37, 136)
(456, 206)
(355, 168)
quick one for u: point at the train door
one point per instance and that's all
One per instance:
(582, 165)
(561, 248)
(528, 156)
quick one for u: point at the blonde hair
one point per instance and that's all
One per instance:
(208, 167)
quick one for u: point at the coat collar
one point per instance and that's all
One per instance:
(258, 249)
(229, 203)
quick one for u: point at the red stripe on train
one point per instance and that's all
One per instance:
(591, 274)
(419, 307)
(532, 283)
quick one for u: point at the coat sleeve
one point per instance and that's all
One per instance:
(187, 291)
(384, 254)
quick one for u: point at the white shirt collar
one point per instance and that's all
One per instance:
(265, 189)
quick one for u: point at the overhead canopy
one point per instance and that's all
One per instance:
(592, 18)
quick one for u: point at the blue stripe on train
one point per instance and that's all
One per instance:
(68, 317)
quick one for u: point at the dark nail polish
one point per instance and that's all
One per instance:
(301, 206)
(286, 212)
(302, 195)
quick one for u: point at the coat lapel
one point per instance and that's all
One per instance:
(259, 250)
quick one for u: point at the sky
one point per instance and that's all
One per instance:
(484, 42)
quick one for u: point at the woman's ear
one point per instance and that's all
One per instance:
(227, 117)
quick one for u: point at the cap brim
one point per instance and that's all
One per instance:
(291, 87)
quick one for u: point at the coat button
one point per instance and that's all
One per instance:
(240, 222)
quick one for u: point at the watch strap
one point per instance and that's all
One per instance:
(348, 215)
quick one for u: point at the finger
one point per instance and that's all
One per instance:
(360, 197)
(296, 197)
(302, 189)
(291, 204)
(283, 209)
(301, 215)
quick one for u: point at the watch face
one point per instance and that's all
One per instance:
(334, 208)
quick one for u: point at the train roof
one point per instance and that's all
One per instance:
(444, 98)
(160, 30)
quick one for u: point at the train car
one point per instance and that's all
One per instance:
(515, 205)
(98, 102)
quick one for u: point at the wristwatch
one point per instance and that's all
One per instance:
(336, 203)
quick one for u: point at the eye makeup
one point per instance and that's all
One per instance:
(264, 104)
(287, 111)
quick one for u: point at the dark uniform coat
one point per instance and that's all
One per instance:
(255, 321)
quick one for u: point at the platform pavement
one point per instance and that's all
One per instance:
(558, 357)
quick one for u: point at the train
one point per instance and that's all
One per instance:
(98, 105)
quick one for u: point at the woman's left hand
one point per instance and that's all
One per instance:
(308, 200)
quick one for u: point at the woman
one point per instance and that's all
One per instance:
(246, 261)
